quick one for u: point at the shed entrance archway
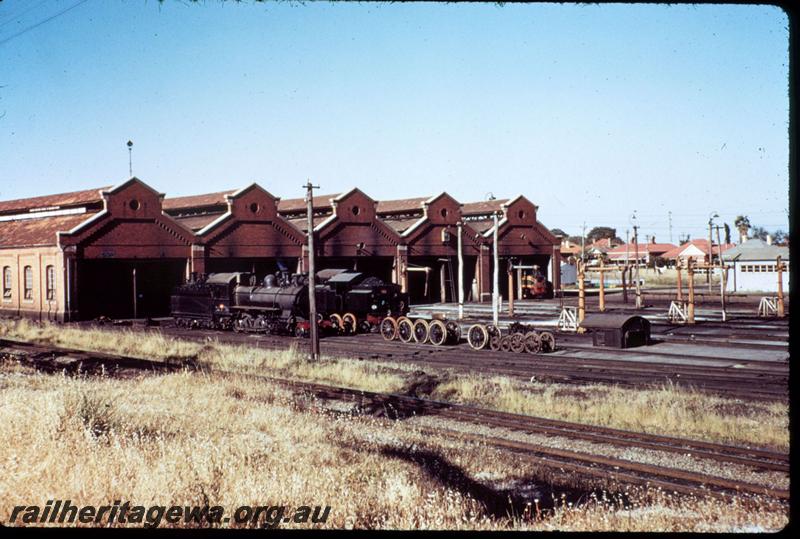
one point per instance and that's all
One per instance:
(105, 287)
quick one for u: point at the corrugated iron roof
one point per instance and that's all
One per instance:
(299, 204)
(401, 225)
(38, 232)
(302, 222)
(197, 201)
(74, 198)
(196, 222)
(401, 205)
(486, 206)
(756, 249)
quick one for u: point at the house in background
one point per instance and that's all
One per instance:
(697, 250)
(755, 267)
(647, 251)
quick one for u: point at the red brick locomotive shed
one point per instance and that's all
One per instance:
(98, 252)
(238, 231)
(521, 241)
(426, 263)
(348, 233)
(80, 255)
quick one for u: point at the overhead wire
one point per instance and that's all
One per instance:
(40, 23)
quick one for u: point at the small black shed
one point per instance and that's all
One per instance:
(617, 330)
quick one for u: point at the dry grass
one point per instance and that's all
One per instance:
(191, 438)
(668, 410)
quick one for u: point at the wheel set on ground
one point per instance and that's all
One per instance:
(519, 339)
(436, 332)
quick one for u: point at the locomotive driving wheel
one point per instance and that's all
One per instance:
(532, 343)
(548, 341)
(454, 331)
(243, 323)
(421, 330)
(350, 323)
(405, 329)
(505, 343)
(337, 323)
(389, 328)
(517, 343)
(477, 337)
(437, 332)
(494, 343)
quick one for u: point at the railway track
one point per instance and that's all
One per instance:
(754, 380)
(54, 359)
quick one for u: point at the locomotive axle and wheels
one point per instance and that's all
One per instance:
(519, 338)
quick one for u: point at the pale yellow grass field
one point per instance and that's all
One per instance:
(193, 438)
(668, 410)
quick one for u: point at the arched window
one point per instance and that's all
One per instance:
(28, 282)
(7, 282)
(51, 282)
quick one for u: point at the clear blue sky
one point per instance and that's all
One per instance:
(590, 111)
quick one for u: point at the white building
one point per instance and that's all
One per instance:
(754, 267)
(569, 273)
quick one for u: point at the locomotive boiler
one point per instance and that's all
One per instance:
(347, 302)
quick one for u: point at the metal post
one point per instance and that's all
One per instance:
(135, 297)
(680, 285)
(312, 297)
(638, 284)
(781, 307)
(624, 284)
(460, 276)
(496, 289)
(602, 288)
(581, 293)
(722, 275)
(723, 272)
(510, 288)
(710, 249)
(690, 283)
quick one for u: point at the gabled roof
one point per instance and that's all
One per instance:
(644, 248)
(756, 249)
(700, 244)
(62, 200)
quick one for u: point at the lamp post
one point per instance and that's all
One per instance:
(713, 215)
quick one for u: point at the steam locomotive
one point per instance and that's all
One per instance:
(347, 302)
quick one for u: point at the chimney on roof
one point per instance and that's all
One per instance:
(652, 239)
(769, 239)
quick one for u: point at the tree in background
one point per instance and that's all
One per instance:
(743, 224)
(559, 232)
(727, 233)
(600, 233)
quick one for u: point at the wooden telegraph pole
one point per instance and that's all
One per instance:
(781, 307)
(638, 282)
(581, 293)
(312, 297)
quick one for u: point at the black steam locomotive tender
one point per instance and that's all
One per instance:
(347, 302)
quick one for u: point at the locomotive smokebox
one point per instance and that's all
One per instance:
(617, 330)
